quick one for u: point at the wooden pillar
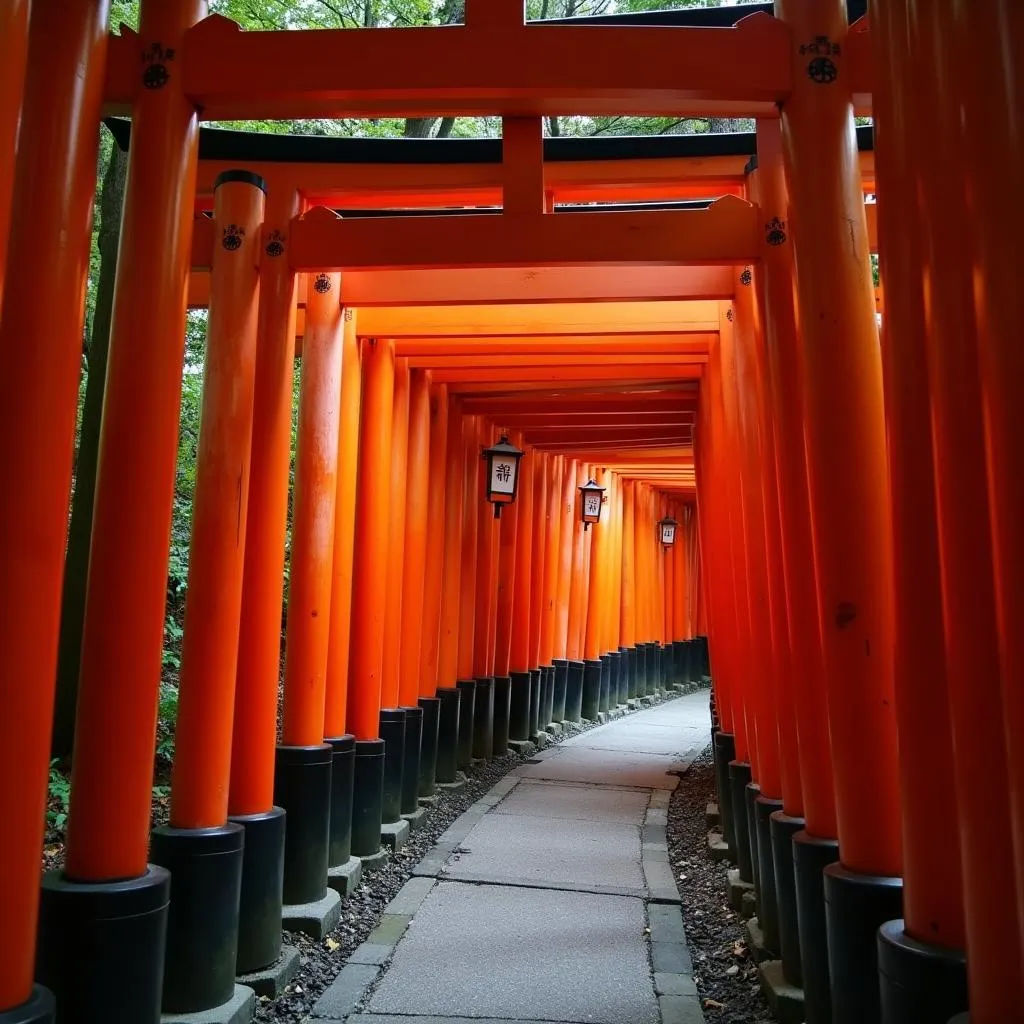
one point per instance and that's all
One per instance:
(435, 542)
(785, 368)
(486, 567)
(48, 194)
(552, 558)
(259, 643)
(470, 521)
(369, 563)
(627, 597)
(566, 549)
(845, 435)
(13, 58)
(538, 567)
(339, 647)
(598, 580)
(448, 628)
(398, 471)
(417, 501)
(519, 649)
(209, 661)
(122, 643)
(506, 577)
(991, 100)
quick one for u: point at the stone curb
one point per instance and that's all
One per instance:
(239, 1009)
(661, 883)
(273, 980)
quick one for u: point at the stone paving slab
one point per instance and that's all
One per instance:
(484, 951)
(640, 737)
(605, 767)
(574, 803)
(577, 854)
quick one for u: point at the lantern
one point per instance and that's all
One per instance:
(502, 473)
(591, 500)
(667, 526)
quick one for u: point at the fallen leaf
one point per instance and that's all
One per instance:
(332, 944)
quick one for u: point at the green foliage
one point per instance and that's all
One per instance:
(59, 798)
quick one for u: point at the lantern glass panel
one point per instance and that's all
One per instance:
(668, 533)
(592, 506)
(503, 475)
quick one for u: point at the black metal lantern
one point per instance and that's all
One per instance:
(591, 500)
(667, 528)
(502, 473)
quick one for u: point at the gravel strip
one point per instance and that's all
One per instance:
(723, 968)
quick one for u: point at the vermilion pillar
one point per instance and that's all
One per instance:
(844, 426)
(486, 601)
(504, 610)
(519, 646)
(990, 101)
(448, 631)
(552, 552)
(339, 647)
(566, 547)
(965, 538)
(13, 57)
(259, 643)
(40, 333)
(538, 577)
(108, 828)
(578, 586)
(467, 592)
(933, 893)
(369, 591)
(398, 476)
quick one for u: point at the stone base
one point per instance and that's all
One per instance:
(737, 889)
(272, 980)
(452, 787)
(526, 748)
(786, 1000)
(345, 877)
(718, 848)
(712, 816)
(748, 906)
(416, 819)
(394, 834)
(239, 1009)
(602, 717)
(755, 939)
(375, 860)
(316, 920)
(553, 729)
(428, 801)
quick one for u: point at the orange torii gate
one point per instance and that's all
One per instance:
(820, 480)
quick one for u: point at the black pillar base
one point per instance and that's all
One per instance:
(591, 694)
(502, 710)
(739, 776)
(679, 674)
(449, 712)
(202, 926)
(342, 767)
(919, 983)
(856, 906)
(624, 677)
(724, 752)
(811, 855)
(302, 786)
(260, 900)
(615, 696)
(101, 948)
(686, 662)
(411, 760)
(650, 680)
(40, 1008)
(561, 682)
(751, 792)
(663, 668)
(606, 682)
(519, 707)
(367, 796)
(547, 700)
(536, 677)
(467, 716)
(631, 691)
(483, 718)
(392, 732)
(431, 707)
(574, 691)
(767, 904)
(782, 828)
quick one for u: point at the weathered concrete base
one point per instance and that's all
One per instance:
(416, 819)
(554, 729)
(375, 860)
(239, 1009)
(755, 939)
(718, 848)
(602, 717)
(272, 980)
(712, 816)
(748, 906)
(524, 747)
(394, 834)
(428, 801)
(737, 889)
(345, 877)
(316, 920)
(453, 787)
(786, 1000)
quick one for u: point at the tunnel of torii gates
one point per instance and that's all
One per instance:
(697, 349)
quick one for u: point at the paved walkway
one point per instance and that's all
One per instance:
(551, 899)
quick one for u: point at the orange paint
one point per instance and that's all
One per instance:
(209, 658)
(448, 634)
(471, 498)
(552, 558)
(519, 648)
(566, 550)
(541, 469)
(486, 562)
(13, 58)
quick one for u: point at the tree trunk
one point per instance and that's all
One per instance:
(76, 567)
(418, 127)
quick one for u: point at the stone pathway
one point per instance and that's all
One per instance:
(550, 900)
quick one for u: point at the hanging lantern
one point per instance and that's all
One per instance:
(502, 473)
(591, 500)
(667, 527)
